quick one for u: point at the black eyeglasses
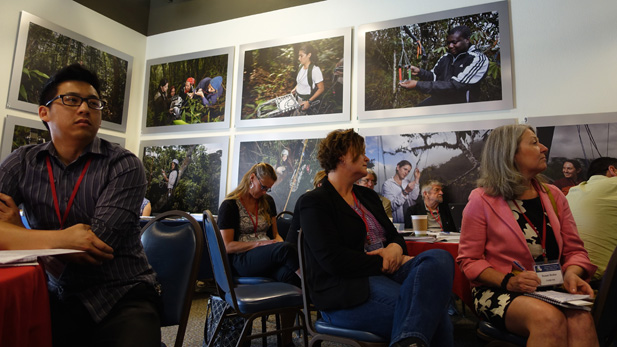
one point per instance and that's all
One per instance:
(76, 101)
(264, 188)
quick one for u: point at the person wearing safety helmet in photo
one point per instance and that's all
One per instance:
(210, 90)
(173, 176)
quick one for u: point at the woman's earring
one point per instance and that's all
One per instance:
(251, 186)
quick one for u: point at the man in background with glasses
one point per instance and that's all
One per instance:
(370, 181)
(81, 192)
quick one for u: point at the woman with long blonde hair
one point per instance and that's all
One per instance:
(247, 220)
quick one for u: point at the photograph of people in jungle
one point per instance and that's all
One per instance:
(187, 92)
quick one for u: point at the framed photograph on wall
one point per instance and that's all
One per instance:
(447, 152)
(439, 63)
(20, 131)
(573, 142)
(43, 48)
(292, 155)
(188, 92)
(295, 80)
(187, 174)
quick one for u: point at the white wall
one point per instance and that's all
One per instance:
(563, 52)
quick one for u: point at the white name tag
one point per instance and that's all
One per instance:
(550, 273)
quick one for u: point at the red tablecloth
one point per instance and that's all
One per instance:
(460, 286)
(24, 307)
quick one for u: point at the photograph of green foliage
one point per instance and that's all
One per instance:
(447, 153)
(186, 175)
(20, 131)
(573, 145)
(188, 92)
(447, 62)
(294, 159)
(43, 48)
(295, 80)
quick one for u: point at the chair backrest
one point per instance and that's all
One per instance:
(174, 252)
(303, 280)
(605, 306)
(220, 261)
(283, 221)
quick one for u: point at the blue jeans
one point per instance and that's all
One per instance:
(412, 302)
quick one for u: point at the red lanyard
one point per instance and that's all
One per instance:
(361, 214)
(256, 221)
(438, 218)
(534, 227)
(62, 219)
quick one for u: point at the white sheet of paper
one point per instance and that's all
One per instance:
(30, 255)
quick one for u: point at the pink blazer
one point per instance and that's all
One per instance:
(491, 237)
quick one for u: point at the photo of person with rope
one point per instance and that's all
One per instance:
(457, 74)
(294, 162)
(449, 61)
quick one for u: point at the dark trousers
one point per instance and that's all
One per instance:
(277, 260)
(133, 321)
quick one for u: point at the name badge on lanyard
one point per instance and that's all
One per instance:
(550, 273)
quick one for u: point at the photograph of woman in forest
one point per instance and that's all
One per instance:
(287, 78)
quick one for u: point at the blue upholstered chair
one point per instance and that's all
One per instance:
(174, 252)
(250, 301)
(320, 330)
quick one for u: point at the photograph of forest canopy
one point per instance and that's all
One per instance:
(451, 157)
(295, 162)
(577, 144)
(47, 51)
(197, 177)
(391, 52)
(195, 92)
(269, 77)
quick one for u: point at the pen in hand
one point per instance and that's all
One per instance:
(518, 265)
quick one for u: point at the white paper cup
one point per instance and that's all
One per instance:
(420, 224)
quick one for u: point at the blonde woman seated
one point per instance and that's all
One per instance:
(246, 217)
(512, 217)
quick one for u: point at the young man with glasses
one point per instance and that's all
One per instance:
(106, 295)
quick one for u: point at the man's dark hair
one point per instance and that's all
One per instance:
(74, 72)
(162, 83)
(463, 30)
(600, 166)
